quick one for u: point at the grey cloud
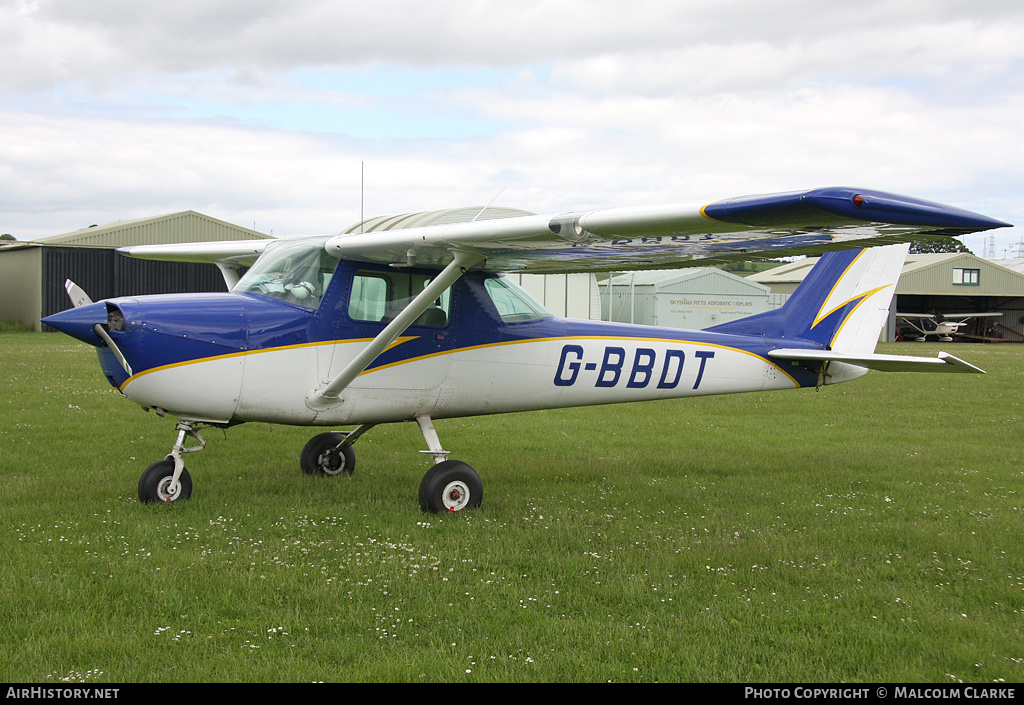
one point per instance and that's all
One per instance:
(191, 35)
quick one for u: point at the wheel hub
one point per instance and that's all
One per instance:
(455, 496)
(168, 490)
(332, 462)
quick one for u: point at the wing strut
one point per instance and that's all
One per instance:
(329, 396)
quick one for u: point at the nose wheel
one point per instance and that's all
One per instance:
(157, 483)
(168, 480)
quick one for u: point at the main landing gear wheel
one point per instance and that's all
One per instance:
(322, 456)
(450, 486)
(155, 483)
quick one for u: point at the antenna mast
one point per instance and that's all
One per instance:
(487, 206)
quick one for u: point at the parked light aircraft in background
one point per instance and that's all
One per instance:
(944, 326)
(420, 324)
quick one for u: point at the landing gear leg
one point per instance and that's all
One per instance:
(169, 480)
(451, 485)
(433, 442)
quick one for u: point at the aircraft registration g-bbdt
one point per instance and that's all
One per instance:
(420, 324)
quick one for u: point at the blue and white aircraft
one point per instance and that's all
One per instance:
(420, 324)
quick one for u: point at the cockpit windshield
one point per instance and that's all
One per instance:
(296, 271)
(514, 305)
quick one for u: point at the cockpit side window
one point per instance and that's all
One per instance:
(380, 296)
(513, 303)
(296, 271)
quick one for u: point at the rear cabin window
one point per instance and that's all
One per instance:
(380, 296)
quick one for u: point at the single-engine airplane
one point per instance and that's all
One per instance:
(420, 324)
(944, 326)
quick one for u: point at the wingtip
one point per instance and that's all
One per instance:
(847, 204)
(963, 365)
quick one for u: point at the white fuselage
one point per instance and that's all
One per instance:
(271, 385)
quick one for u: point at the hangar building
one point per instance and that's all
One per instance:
(951, 283)
(683, 298)
(32, 274)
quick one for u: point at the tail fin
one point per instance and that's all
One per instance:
(842, 304)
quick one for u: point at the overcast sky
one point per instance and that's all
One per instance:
(260, 112)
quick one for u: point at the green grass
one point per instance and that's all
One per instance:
(14, 327)
(865, 532)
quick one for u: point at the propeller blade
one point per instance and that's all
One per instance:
(78, 297)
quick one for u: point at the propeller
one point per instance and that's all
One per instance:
(78, 296)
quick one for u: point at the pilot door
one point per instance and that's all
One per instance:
(416, 364)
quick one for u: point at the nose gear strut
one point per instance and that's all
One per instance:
(168, 480)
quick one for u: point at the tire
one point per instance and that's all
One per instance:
(450, 486)
(154, 482)
(322, 457)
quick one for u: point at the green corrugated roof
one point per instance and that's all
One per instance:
(923, 274)
(186, 226)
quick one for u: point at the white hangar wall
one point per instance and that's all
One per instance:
(686, 298)
(565, 295)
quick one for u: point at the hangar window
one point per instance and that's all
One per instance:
(971, 277)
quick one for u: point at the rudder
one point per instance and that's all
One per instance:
(842, 304)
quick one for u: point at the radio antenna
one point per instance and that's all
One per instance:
(487, 206)
(362, 191)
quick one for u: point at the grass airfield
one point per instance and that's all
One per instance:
(869, 531)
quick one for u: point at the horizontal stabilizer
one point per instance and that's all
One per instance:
(885, 363)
